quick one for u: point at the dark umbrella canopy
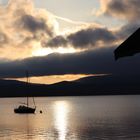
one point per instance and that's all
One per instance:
(129, 47)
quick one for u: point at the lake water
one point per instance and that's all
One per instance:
(73, 118)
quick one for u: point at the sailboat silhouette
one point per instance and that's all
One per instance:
(25, 108)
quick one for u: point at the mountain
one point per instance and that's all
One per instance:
(93, 85)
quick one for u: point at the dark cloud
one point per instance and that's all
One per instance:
(56, 42)
(89, 62)
(34, 24)
(84, 38)
(127, 9)
(90, 37)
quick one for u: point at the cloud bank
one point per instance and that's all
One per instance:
(24, 27)
(100, 61)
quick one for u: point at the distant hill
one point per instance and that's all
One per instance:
(93, 85)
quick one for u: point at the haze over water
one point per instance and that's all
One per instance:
(73, 118)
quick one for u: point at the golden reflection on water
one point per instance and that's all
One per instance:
(61, 109)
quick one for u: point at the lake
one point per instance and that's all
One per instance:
(73, 118)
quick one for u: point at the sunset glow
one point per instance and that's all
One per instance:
(83, 37)
(69, 66)
(53, 79)
(45, 51)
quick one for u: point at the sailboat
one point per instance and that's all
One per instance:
(25, 108)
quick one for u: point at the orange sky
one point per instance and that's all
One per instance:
(53, 79)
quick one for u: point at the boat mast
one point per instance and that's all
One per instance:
(27, 76)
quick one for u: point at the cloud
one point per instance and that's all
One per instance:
(56, 42)
(125, 9)
(22, 25)
(88, 37)
(99, 61)
(128, 10)
(33, 24)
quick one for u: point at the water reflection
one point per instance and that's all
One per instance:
(74, 118)
(61, 109)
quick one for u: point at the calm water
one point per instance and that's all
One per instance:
(73, 118)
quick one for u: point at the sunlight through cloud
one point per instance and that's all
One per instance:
(40, 51)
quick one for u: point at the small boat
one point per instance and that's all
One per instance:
(25, 108)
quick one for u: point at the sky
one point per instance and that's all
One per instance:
(65, 40)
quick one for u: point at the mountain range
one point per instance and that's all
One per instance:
(93, 85)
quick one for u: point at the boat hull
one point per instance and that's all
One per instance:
(25, 110)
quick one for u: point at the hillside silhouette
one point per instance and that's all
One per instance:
(93, 85)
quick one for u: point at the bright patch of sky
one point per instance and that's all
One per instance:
(3, 2)
(78, 10)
